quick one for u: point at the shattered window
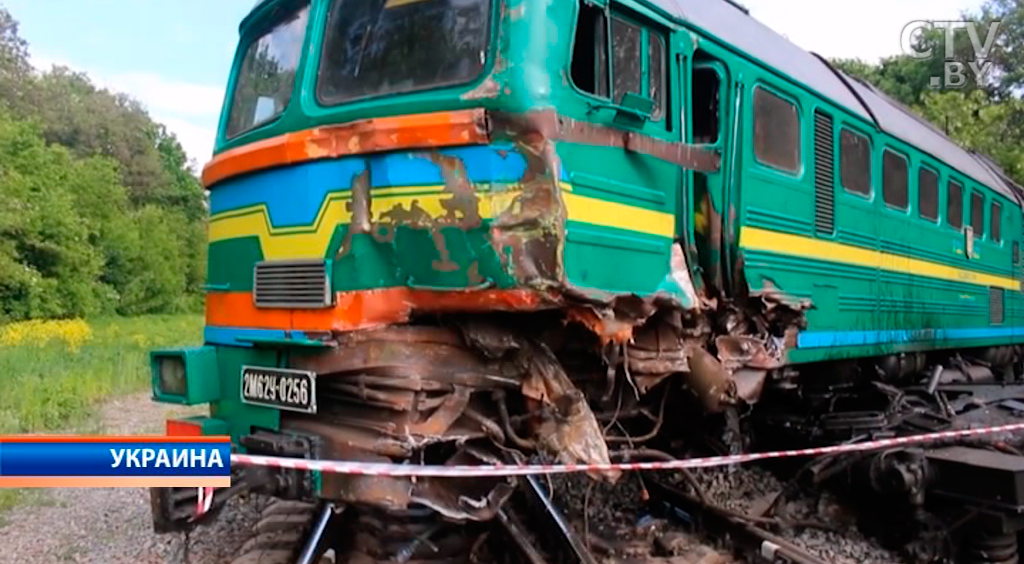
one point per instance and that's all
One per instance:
(635, 56)
(626, 62)
(656, 71)
(376, 47)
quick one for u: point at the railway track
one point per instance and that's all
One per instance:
(557, 520)
(531, 529)
(571, 519)
(754, 543)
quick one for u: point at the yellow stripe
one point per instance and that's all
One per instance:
(620, 216)
(806, 247)
(312, 241)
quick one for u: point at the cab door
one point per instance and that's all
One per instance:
(706, 124)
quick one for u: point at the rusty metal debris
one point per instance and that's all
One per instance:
(398, 391)
(550, 125)
(710, 381)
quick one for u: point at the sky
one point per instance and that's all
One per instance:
(174, 55)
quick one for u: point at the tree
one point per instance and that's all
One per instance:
(906, 78)
(54, 267)
(987, 113)
(99, 208)
(89, 121)
(1008, 78)
(975, 122)
(16, 84)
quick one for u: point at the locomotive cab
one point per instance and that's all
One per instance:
(424, 215)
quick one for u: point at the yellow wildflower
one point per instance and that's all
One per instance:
(38, 332)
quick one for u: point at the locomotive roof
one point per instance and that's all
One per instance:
(733, 25)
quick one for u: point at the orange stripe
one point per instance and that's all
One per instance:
(363, 308)
(114, 482)
(417, 131)
(109, 439)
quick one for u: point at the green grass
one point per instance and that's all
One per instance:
(53, 375)
(52, 387)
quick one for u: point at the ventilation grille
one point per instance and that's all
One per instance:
(995, 306)
(824, 175)
(292, 284)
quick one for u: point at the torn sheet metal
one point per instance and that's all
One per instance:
(398, 392)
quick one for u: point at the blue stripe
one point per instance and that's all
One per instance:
(295, 194)
(823, 339)
(214, 335)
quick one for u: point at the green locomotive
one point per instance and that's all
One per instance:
(441, 230)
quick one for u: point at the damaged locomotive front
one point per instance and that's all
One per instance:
(449, 262)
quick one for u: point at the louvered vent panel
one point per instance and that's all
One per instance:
(292, 284)
(824, 175)
(995, 306)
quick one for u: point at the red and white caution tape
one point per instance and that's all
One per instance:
(465, 471)
(205, 495)
(204, 500)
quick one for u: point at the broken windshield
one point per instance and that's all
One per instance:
(381, 47)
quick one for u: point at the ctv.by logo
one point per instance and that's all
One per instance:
(954, 73)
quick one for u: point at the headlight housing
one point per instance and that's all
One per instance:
(185, 376)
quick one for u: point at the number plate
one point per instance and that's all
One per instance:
(294, 390)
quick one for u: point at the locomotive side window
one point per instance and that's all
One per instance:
(627, 74)
(266, 77)
(776, 131)
(894, 180)
(996, 222)
(928, 194)
(977, 214)
(855, 162)
(589, 55)
(634, 55)
(706, 104)
(656, 72)
(955, 205)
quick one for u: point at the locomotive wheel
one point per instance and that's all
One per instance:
(279, 534)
